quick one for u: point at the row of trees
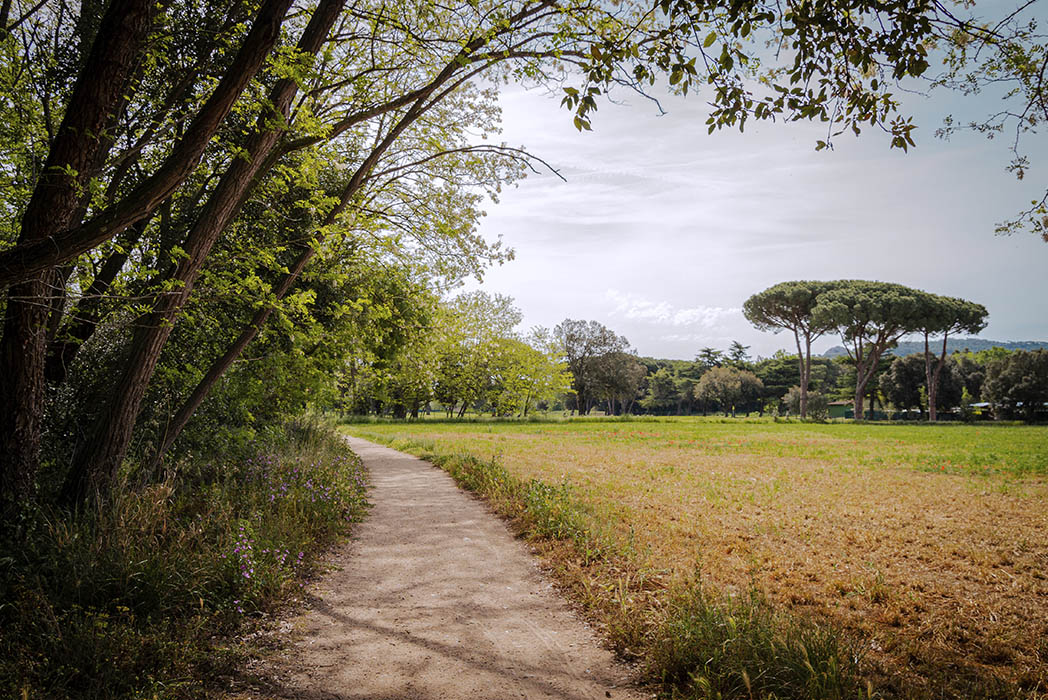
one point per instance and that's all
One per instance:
(466, 356)
(731, 382)
(870, 318)
(1013, 384)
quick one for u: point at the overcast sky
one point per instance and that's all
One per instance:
(661, 231)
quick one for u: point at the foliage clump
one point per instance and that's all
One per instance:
(137, 596)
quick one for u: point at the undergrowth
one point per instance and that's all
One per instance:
(140, 598)
(697, 645)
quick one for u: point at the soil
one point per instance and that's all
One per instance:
(435, 598)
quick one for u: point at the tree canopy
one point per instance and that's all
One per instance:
(790, 306)
(870, 318)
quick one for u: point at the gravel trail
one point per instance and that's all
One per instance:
(435, 598)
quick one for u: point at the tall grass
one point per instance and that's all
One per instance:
(696, 644)
(134, 599)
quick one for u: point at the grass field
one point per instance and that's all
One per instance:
(927, 544)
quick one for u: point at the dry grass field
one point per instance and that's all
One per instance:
(927, 543)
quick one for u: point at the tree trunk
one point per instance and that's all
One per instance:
(858, 405)
(803, 375)
(96, 461)
(932, 375)
(55, 201)
(85, 318)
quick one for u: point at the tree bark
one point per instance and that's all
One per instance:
(71, 162)
(860, 382)
(800, 369)
(865, 368)
(932, 375)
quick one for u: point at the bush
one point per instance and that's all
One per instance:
(132, 600)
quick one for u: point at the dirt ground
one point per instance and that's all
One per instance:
(435, 598)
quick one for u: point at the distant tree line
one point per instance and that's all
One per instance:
(997, 383)
(465, 356)
(1007, 383)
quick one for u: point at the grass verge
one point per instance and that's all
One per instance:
(695, 643)
(141, 598)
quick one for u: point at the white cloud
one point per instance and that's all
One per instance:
(634, 307)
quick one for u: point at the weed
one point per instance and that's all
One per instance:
(711, 648)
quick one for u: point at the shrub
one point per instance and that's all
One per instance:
(133, 599)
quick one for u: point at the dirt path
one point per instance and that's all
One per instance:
(436, 599)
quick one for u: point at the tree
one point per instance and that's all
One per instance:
(904, 384)
(1006, 54)
(582, 343)
(710, 357)
(74, 157)
(548, 375)
(738, 354)
(661, 395)
(729, 387)
(1018, 384)
(969, 372)
(475, 335)
(870, 317)
(616, 378)
(790, 306)
(818, 404)
(778, 373)
(944, 316)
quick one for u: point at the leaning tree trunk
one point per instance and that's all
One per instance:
(96, 460)
(864, 371)
(55, 201)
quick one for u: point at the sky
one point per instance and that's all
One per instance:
(661, 231)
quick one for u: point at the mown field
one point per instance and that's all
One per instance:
(928, 545)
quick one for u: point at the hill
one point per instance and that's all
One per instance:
(910, 347)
